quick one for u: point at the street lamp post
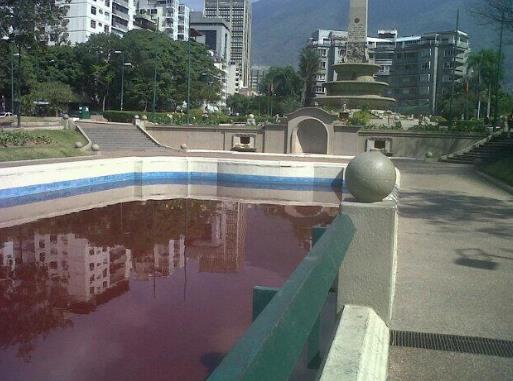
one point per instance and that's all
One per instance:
(18, 113)
(123, 65)
(193, 33)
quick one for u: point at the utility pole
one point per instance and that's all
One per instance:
(155, 85)
(453, 79)
(498, 76)
(189, 79)
(122, 81)
(19, 88)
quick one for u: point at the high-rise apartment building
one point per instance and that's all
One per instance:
(123, 12)
(87, 17)
(258, 73)
(238, 13)
(183, 22)
(169, 16)
(215, 33)
(425, 67)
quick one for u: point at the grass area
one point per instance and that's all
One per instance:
(502, 170)
(61, 144)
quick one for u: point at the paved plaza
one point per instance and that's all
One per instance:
(455, 270)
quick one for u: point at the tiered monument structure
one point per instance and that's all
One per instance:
(355, 86)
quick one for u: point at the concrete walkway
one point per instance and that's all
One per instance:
(455, 270)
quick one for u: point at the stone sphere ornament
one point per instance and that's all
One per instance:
(95, 147)
(78, 145)
(184, 147)
(370, 177)
(429, 155)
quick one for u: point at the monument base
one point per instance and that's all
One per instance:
(372, 102)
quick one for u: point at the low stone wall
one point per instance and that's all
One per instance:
(417, 144)
(46, 181)
(347, 140)
(360, 348)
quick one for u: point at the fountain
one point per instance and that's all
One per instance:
(355, 86)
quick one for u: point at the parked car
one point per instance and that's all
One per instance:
(5, 114)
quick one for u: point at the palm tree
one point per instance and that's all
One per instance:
(483, 64)
(309, 63)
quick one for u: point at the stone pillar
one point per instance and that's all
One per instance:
(367, 276)
(356, 51)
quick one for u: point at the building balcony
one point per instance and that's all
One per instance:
(120, 14)
(119, 26)
(123, 3)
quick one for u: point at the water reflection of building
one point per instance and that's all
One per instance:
(221, 247)
(7, 260)
(88, 271)
(169, 258)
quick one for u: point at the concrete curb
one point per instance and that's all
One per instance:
(498, 183)
(359, 351)
(87, 147)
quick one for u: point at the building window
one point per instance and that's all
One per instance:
(91, 266)
(107, 3)
(106, 29)
(93, 10)
(105, 273)
(93, 24)
(41, 244)
(91, 290)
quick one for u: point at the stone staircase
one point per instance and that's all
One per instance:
(492, 149)
(112, 137)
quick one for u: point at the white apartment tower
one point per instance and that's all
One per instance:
(170, 16)
(238, 13)
(87, 17)
(183, 22)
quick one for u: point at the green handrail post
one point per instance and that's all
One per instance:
(271, 347)
(262, 296)
(313, 354)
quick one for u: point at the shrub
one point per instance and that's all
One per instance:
(21, 138)
(360, 118)
(197, 117)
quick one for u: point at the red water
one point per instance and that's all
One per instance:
(141, 291)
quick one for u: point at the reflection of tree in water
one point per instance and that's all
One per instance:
(31, 305)
(137, 225)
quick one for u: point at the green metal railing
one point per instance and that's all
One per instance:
(273, 344)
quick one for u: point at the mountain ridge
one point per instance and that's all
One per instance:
(282, 27)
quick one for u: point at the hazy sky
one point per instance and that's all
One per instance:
(197, 5)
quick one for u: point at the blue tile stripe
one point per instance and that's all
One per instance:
(125, 179)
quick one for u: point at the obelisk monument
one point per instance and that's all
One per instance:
(356, 86)
(356, 50)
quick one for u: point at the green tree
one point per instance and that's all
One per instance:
(282, 82)
(58, 94)
(97, 56)
(33, 22)
(309, 63)
(483, 69)
(28, 24)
